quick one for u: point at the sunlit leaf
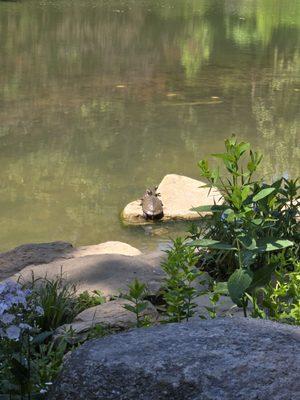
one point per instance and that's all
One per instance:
(213, 208)
(221, 288)
(263, 193)
(212, 244)
(269, 244)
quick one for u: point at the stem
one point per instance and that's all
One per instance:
(29, 365)
(244, 308)
(137, 314)
(21, 355)
(239, 253)
(188, 308)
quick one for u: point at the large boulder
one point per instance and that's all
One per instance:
(219, 359)
(109, 273)
(178, 194)
(111, 315)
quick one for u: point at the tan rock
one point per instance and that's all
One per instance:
(110, 315)
(106, 248)
(178, 194)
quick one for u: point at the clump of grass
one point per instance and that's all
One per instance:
(58, 298)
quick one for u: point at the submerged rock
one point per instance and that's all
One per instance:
(219, 359)
(178, 195)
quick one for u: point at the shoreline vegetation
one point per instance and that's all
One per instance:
(244, 254)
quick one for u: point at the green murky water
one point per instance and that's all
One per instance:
(97, 102)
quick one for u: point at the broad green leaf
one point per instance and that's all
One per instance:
(238, 283)
(242, 147)
(263, 193)
(221, 288)
(248, 257)
(251, 166)
(212, 244)
(262, 276)
(257, 221)
(245, 192)
(130, 308)
(269, 244)
(248, 242)
(230, 215)
(223, 156)
(41, 337)
(212, 208)
(236, 197)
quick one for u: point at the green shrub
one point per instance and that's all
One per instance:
(253, 220)
(182, 277)
(252, 215)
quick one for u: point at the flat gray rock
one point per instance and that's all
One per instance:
(220, 359)
(109, 273)
(13, 261)
(33, 253)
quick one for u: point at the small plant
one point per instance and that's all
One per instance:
(182, 274)
(87, 300)
(280, 299)
(47, 360)
(214, 299)
(98, 331)
(136, 295)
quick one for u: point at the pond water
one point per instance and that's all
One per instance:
(99, 99)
